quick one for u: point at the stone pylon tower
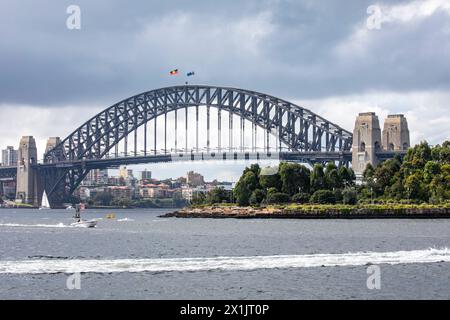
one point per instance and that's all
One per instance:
(366, 141)
(395, 133)
(51, 143)
(28, 184)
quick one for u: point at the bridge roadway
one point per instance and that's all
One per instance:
(308, 157)
(8, 173)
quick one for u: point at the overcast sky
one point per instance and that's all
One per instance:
(322, 55)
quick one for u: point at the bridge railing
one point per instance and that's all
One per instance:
(178, 151)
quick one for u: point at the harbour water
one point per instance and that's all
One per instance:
(138, 255)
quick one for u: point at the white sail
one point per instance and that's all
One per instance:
(45, 204)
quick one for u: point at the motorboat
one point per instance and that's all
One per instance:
(80, 222)
(85, 223)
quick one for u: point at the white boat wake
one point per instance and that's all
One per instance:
(39, 225)
(125, 219)
(222, 263)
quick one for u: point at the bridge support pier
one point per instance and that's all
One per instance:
(29, 187)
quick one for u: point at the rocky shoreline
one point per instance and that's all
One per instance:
(314, 212)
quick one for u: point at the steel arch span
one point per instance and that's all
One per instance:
(299, 129)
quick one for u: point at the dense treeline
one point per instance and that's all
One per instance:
(422, 176)
(297, 183)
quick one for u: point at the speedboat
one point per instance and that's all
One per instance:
(80, 222)
(69, 208)
(84, 223)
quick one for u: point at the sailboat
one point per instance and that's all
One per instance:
(45, 205)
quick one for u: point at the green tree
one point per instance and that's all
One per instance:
(250, 178)
(197, 198)
(347, 176)
(301, 198)
(323, 197)
(332, 177)
(103, 199)
(397, 189)
(255, 168)
(349, 196)
(383, 175)
(318, 177)
(414, 187)
(431, 169)
(257, 197)
(417, 156)
(333, 180)
(294, 178)
(270, 181)
(247, 183)
(368, 173)
(217, 195)
(277, 197)
(338, 195)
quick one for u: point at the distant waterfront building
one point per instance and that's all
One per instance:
(155, 191)
(224, 186)
(84, 193)
(190, 193)
(8, 189)
(116, 181)
(146, 175)
(194, 179)
(121, 192)
(9, 156)
(96, 177)
(125, 173)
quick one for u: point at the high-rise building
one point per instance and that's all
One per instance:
(194, 179)
(9, 156)
(146, 175)
(125, 173)
(96, 177)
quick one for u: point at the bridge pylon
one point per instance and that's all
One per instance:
(396, 133)
(370, 146)
(366, 142)
(29, 187)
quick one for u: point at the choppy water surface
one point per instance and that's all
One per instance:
(138, 255)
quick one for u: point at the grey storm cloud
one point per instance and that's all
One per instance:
(293, 49)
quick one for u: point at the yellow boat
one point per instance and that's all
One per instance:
(111, 216)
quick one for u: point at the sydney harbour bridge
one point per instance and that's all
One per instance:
(191, 123)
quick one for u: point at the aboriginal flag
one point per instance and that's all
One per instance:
(173, 72)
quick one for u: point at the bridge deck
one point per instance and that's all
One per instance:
(203, 156)
(8, 173)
